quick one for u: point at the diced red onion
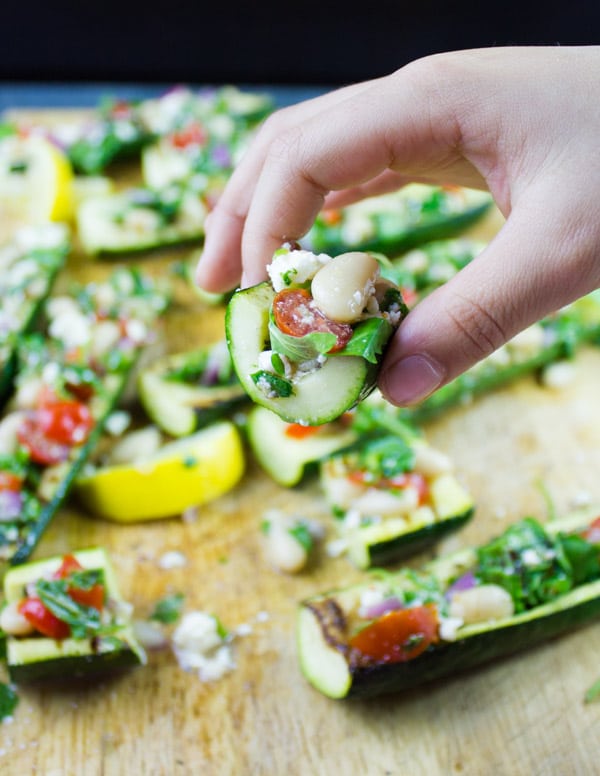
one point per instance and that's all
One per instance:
(11, 503)
(383, 607)
(464, 582)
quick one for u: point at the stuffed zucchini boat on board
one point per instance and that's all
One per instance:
(395, 222)
(64, 618)
(29, 264)
(402, 629)
(68, 382)
(307, 344)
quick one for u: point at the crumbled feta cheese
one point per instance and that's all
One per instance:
(117, 422)
(198, 645)
(172, 560)
(530, 557)
(71, 328)
(295, 267)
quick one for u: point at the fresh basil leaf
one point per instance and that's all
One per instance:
(86, 579)
(582, 556)
(368, 340)
(527, 563)
(303, 348)
(8, 700)
(84, 621)
(168, 609)
(387, 457)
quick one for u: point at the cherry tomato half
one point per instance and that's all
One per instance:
(398, 636)
(10, 481)
(41, 449)
(298, 431)
(93, 597)
(296, 314)
(66, 422)
(194, 134)
(42, 619)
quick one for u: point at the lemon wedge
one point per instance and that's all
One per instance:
(187, 472)
(36, 180)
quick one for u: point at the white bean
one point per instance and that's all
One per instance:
(283, 550)
(341, 289)
(8, 432)
(13, 622)
(481, 604)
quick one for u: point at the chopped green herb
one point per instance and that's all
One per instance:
(84, 621)
(272, 384)
(168, 609)
(8, 700)
(302, 535)
(593, 693)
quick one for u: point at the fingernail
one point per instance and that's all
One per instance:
(411, 379)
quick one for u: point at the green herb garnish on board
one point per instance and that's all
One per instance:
(168, 609)
(8, 700)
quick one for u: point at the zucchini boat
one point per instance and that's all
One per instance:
(141, 219)
(392, 495)
(429, 266)
(204, 143)
(394, 223)
(115, 132)
(310, 355)
(183, 392)
(68, 382)
(555, 338)
(29, 265)
(289, 451)
(401, 630)
(64, 618)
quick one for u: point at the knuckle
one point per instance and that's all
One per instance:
(480, 331)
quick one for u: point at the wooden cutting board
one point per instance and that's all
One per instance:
(522, 715)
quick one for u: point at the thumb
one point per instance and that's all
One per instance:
(534, 266)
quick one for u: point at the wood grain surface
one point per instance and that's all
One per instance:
(517, 449)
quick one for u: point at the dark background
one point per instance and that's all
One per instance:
(317, 43)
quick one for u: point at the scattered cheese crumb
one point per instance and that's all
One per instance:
(172, 560)
(199, 645)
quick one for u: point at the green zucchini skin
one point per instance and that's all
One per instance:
(76, 667)
(410, 543)
(397, 229)
(179, 406)
(322, 639)
(50, 262)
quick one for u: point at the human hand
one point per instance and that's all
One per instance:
(523, 122)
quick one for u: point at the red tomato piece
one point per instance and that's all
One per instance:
(331, 217)
(298, 431)
(10, 481)
(93, 597)
(398, 636)
(41, 449)
(194, 134)
(68, 566)
(68, 422)
(42, 619)
(297, 314)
